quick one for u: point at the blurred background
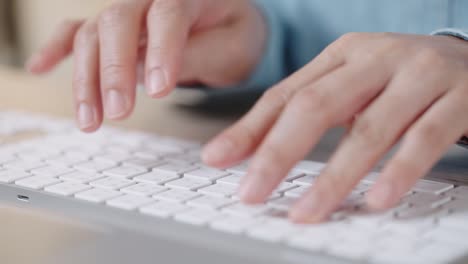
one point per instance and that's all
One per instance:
(25, 25)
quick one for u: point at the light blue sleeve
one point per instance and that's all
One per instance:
(455, 32)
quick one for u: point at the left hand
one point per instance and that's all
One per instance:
(386, 86)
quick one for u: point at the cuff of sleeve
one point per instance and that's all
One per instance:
(271, 68)
(455, 32)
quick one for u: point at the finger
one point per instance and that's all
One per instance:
(425, 143)
(169, 24)
(87, 96)
(119, 35)
(307, 117)
(370, 137)
(239, 141)
(56, 49)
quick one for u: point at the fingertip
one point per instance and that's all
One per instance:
(382, 196)
(217, 152)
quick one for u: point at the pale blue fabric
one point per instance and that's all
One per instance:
(300, 29)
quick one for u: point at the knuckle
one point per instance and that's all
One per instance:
(312, 101)
(430, 131)
(365, 132)
(166, 7)
(112, 16)
(429, 57)
(112, 71)
(85, 34)
(274, 99)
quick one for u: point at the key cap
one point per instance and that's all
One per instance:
(297, 192)
(81, 177)
(51, 171)
(143, 163)
(129, 201)
(239, 169)
(163, 209)
(156, 177)
(124, 171)
(189, 184)
(421, 199)
(97, 195)
(308, 242)
(5, 158)
(67, 160)
(10, 175)
(306, 180)
(292, 175)
(25, 165)
(67, 188)
(455, 220)
(112, 183)
(273, 231)
(309, 166)
(459, 192)
(210, 202)
(197, 216)
(285, 186)
(243, 210)
(37, 182)
(432, 186)
(175, 168)
(234, 224)
(233, 179)
(283, 203)
(144, 189)
(37, 154)
(114, 158)
(205, 173)
(219, 190)
(351, 251)
(94, 166)
(371, 178)
(176, 195)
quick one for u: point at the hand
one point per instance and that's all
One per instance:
(216, 43)
(386, 86)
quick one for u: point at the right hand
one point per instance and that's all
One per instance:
(210, 42)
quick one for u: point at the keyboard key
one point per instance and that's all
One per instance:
(124, 171)
(309, 167)
(51, 171)
(243, 210)
(24, 165)
(129, 201)
(219, 190)
(460, 192)
(156, 177)
(307, 179)
(112, 183)
(209, 202)
(94, 166)
(144, 189)
(273, 231)
(114, 158)
(197, 216)
(175, 168)
(143, 163)
(285, 186)
(432, 186)
(234, 224)
(239, 169)
(97, 195)
(37, 182)
(189, 184)
(175, 195)
(163, 209)
(205, 173)
(81, 177)
(297, 192)
(234, 179)
(283, 203)
(67, 188)
(10, 175)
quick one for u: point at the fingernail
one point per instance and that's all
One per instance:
(218, 150)
(85, 116)
(156, 82)
(307, 211)
(382, 195)
(115, 104)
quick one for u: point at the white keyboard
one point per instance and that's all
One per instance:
(164, 178)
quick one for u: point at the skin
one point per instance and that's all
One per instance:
(408, 88)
